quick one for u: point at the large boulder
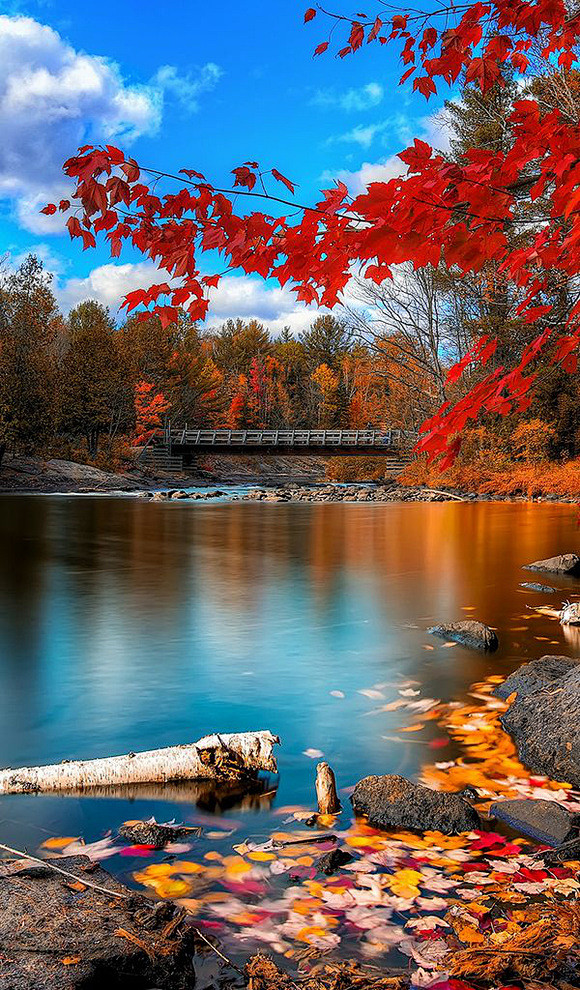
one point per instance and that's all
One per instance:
(535, 676)
(545, 821)
(564, 563)
(544, 726)
(392, 802)
(58, 933)
(468, 632)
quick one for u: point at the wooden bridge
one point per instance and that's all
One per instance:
(173, 448)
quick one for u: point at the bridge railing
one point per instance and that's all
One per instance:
(287, 438)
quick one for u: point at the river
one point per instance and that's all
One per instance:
(128, 625)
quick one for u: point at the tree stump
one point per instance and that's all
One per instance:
(326, 794)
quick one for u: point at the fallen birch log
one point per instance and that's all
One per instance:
(217, 757)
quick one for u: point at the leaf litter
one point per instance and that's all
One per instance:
(478, 907)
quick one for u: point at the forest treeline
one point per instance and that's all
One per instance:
(86, 386)
(85, 380)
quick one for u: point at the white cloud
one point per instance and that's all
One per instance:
(363, 98)
(54, 98)
(396, 127)
(432, 129)
(51, 261)
(107, 284)
(235, 296)
(250, 298)
(359, 179)
(187, 89)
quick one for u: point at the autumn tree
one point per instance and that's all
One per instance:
(411, 311)
(461, 214)
(236, 344)
(146, 348)
(194, 382)
(150, 408)
(326, 341)
(95, 396)
(325, 395)
(28, 328)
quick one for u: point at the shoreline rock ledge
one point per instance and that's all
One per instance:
(469, 632)
(563, 563)
(393, 802)
(543, 719)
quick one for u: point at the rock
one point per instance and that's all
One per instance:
(564, 563)
(533, 586)
(157, 834)
(179, 494)
(535, 676)
(545, 821)
(54, 935)
(333, 860)
(392, 802)
(469, 632)
(544, 726)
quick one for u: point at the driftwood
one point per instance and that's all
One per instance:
(328, 803)
(217, 757)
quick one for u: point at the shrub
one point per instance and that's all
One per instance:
(357, 468)
(532, 439)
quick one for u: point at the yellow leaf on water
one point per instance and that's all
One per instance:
(59, 842)
(172, 888)
(326, 819)
(155, 871)
(183, 866)
(261, 857)
(305, 934)
(238, 868)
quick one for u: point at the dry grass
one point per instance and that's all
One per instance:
(357, 468)
(511, 478)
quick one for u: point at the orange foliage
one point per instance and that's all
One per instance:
(150, 407)
(507, 479)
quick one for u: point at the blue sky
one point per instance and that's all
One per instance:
(198, 86)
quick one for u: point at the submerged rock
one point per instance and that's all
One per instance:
(545, 821)
(333, 860)
(157, 834)
(564, 563)
(469, 632)
(544, 726)
(533, 586)
(392, 802)
(535, 676)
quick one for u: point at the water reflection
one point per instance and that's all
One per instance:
(127, 625)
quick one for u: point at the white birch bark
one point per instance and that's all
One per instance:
(215, 757)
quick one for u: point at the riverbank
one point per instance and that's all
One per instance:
(364, 493)
(278, 482)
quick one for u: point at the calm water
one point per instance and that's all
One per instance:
(128, 625)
